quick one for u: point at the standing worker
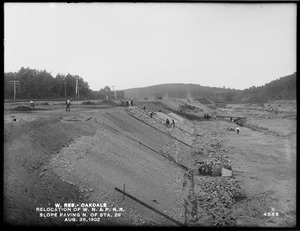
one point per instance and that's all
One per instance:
(167, 122)
(31, 104)
(173, 123)
(68, 102)
(237, 129)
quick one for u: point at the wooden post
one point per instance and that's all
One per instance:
(14, 82)
(14, 90)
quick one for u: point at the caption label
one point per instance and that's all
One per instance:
(80, 212)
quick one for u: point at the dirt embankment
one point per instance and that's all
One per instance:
(55, 156)
(82, 156)
(29, 143)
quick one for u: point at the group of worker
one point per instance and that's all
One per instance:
(129, 102)
(237, 126)
(150, 112)
(170, 125)
(167, 121)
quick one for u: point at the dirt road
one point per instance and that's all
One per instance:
(266, 167)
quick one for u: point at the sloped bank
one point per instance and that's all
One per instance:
(28, 183)
(201, 191)
(113, 158)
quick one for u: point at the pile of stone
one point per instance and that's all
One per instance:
(215, 197)
(210, 146)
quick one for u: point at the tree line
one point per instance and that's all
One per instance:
(283, 88)
(40, 84)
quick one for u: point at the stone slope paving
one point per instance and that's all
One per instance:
(208, 200)
(108, 159)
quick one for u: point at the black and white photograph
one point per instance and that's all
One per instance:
(150, 114)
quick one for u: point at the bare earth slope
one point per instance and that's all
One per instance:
(53, 156)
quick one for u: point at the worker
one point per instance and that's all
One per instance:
(173, 123)
(31, 104)
(68, 104)
(237, 129)
(167, 122)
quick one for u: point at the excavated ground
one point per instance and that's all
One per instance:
(52, 156)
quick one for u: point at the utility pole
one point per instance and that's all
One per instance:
(77, 90)
(14, 82)
(65, 89)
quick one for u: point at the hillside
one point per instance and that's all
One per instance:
(175, 90)
(282, 88)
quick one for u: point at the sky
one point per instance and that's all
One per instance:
(129, 45)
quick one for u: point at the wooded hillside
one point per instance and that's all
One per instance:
(282, 88)
(36, 84)
(176, 90)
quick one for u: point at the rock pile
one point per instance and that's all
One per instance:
(215, 197)
(209, 145)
